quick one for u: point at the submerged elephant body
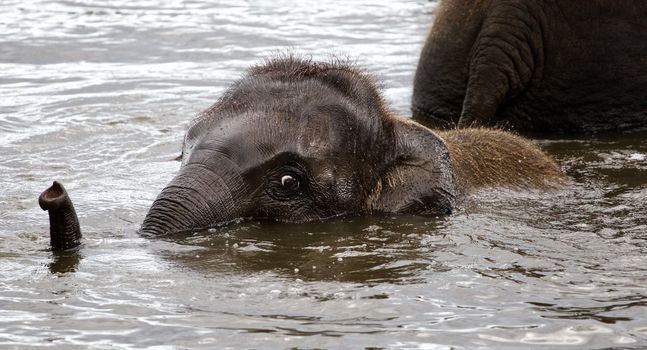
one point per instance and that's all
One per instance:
(535, 65)
(296, 141)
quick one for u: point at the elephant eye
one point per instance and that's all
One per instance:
(290, 182)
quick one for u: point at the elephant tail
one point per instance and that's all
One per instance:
(64, 229)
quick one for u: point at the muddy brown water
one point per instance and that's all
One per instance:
(98, 95)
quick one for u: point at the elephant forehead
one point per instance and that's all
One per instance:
(318, 139)
(313, 135)
(255, 138)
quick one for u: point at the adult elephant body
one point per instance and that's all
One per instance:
(535, 65)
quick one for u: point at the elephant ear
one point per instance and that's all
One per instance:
(420, 179)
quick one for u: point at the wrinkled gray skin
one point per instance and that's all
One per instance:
(296, 141)
(535, 65)
(64, 229)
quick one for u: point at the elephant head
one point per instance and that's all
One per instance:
(296, 141)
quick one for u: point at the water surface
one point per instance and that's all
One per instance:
(98, 95)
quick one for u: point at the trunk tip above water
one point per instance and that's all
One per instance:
(64, 229)
(53, 197)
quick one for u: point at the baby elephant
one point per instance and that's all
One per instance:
(296, 141)
(535, 65)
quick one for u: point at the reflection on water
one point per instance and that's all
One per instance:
(66, 261)
(361, 250)
(98, 96)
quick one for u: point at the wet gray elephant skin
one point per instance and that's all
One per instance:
(65, 232)
(535, 65)
(297, 141)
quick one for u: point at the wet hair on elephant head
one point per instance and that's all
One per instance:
(296, 141)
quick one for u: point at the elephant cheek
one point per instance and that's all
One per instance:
(196, 198)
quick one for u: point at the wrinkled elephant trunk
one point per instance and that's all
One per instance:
(195, 199)
(64, 230)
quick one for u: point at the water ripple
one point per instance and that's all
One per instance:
(98, 95)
